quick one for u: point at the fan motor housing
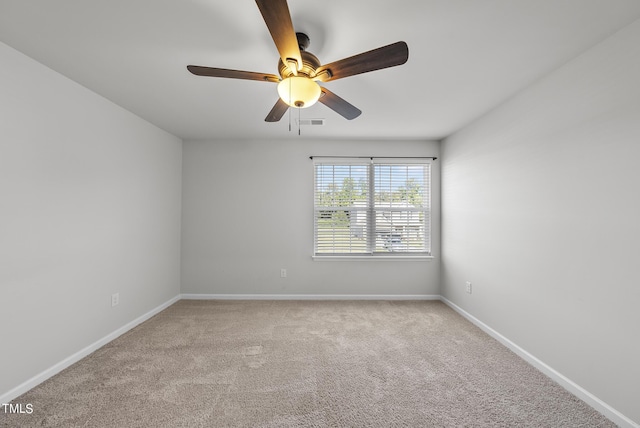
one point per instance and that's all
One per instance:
(309, 65)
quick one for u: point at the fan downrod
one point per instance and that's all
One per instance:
(303, 41)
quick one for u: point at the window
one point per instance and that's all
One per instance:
(372, 207)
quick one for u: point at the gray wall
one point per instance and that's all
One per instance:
(248, 212)
(541, 212)
(89, 206)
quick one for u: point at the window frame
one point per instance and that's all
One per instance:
(371, 208)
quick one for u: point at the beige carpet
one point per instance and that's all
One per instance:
(303, 364)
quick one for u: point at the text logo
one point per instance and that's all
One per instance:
(17, 408)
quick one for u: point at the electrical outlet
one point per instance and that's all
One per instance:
(283, 273)
(115, 299)
(468, 287)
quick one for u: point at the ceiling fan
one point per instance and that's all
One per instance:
(300, 70)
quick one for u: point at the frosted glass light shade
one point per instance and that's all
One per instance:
(299, 91)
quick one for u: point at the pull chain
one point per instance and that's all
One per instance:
(299, 120)
(289, 105)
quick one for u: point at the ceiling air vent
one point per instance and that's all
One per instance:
(313, 122)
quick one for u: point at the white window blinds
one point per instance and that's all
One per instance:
(372, 207)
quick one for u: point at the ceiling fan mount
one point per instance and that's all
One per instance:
(303, 41)
(300, 70)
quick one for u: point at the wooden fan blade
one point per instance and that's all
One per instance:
(278, 19)
(337, 104)
(277, 111)
(384, 57)
(232, 74)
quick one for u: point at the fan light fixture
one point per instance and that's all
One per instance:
(299, 91)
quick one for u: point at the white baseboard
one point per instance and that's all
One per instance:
(310, 297)
(599, 405)
(57, 368)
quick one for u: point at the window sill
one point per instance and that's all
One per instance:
(371, 258)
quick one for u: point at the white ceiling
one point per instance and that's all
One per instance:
(465, 57)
